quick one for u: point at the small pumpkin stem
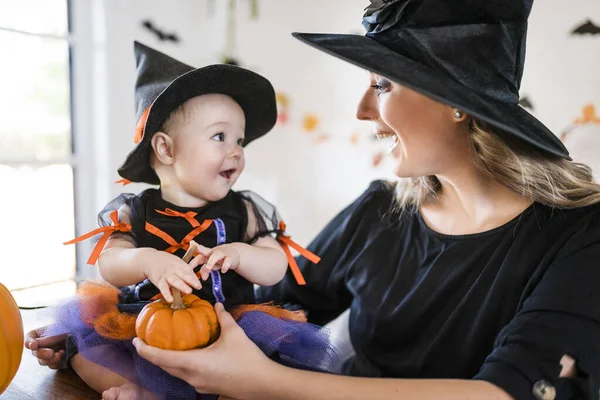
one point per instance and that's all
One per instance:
(177, 300)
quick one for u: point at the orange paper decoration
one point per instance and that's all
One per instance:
(322, 138)
(282, 99)
(282, 118)
(589, 115)
(310, 122)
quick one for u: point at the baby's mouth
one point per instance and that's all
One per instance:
(227, 173)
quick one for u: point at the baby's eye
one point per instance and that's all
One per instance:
(240, 142)
(220, 137)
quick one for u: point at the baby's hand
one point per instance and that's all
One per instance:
(167, 270)
(223, 257)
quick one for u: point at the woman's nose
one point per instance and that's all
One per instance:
(367, 107)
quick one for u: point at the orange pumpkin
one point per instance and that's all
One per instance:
(11, 338)
(188, 323)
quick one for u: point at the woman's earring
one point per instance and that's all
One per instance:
(458, 114)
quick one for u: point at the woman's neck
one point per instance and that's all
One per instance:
(471, 202)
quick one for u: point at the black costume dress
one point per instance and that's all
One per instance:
(100, 322)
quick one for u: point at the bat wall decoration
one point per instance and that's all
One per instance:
(526, 103)
(587, 27)
(160, 34)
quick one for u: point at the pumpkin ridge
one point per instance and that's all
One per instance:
(11, 338)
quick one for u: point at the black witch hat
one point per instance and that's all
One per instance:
(163, 84)
(468, 54)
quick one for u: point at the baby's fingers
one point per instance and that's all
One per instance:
(215, 258)
(189, 278)
(176, 282)
(44, 354)
(209, 266)
(226, 265)
(204, 273)
(203, 250)
(198, 260)
(165, 290)
(49, 358)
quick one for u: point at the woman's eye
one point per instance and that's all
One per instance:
(219, 137)
(377, 87)
(381, 86)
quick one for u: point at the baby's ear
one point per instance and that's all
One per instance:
(162, 144)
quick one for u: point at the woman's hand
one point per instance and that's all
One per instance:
(232, 364)
(49, 351)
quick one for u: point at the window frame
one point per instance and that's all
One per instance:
(81, 41)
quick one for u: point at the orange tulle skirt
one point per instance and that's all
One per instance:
(98, 307)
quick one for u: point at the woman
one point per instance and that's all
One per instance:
(475, 276)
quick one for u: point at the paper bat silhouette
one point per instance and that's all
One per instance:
(525, 102)
(587, 27)
(160, 34)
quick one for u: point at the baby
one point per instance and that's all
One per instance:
(193, 126)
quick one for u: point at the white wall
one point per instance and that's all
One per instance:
(309, 182)
(562, 74)
(562, 71)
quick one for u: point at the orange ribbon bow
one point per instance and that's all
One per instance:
(189, 216)
(185, 243)
(286, 242)
(123, 182)
(107, 231)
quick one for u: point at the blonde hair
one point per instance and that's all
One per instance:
(543, 178)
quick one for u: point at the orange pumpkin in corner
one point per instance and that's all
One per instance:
(11, 338)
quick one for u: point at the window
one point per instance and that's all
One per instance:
(36, 144)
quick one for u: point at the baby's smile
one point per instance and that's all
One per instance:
(227, 173)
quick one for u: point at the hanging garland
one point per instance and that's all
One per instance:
(228, 56)
(588, 116)
(253, 8)
(283, 102)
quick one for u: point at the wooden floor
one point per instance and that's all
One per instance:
(40, 383)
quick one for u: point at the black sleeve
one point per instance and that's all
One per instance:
(561, 316)
(325, 295)
(264, 214)
(135, 210)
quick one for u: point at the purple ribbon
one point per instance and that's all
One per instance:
(217, 287)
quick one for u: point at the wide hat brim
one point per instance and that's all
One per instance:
(253, 92)
(367, 53)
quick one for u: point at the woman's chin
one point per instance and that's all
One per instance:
(400, 167)
(402, 170)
